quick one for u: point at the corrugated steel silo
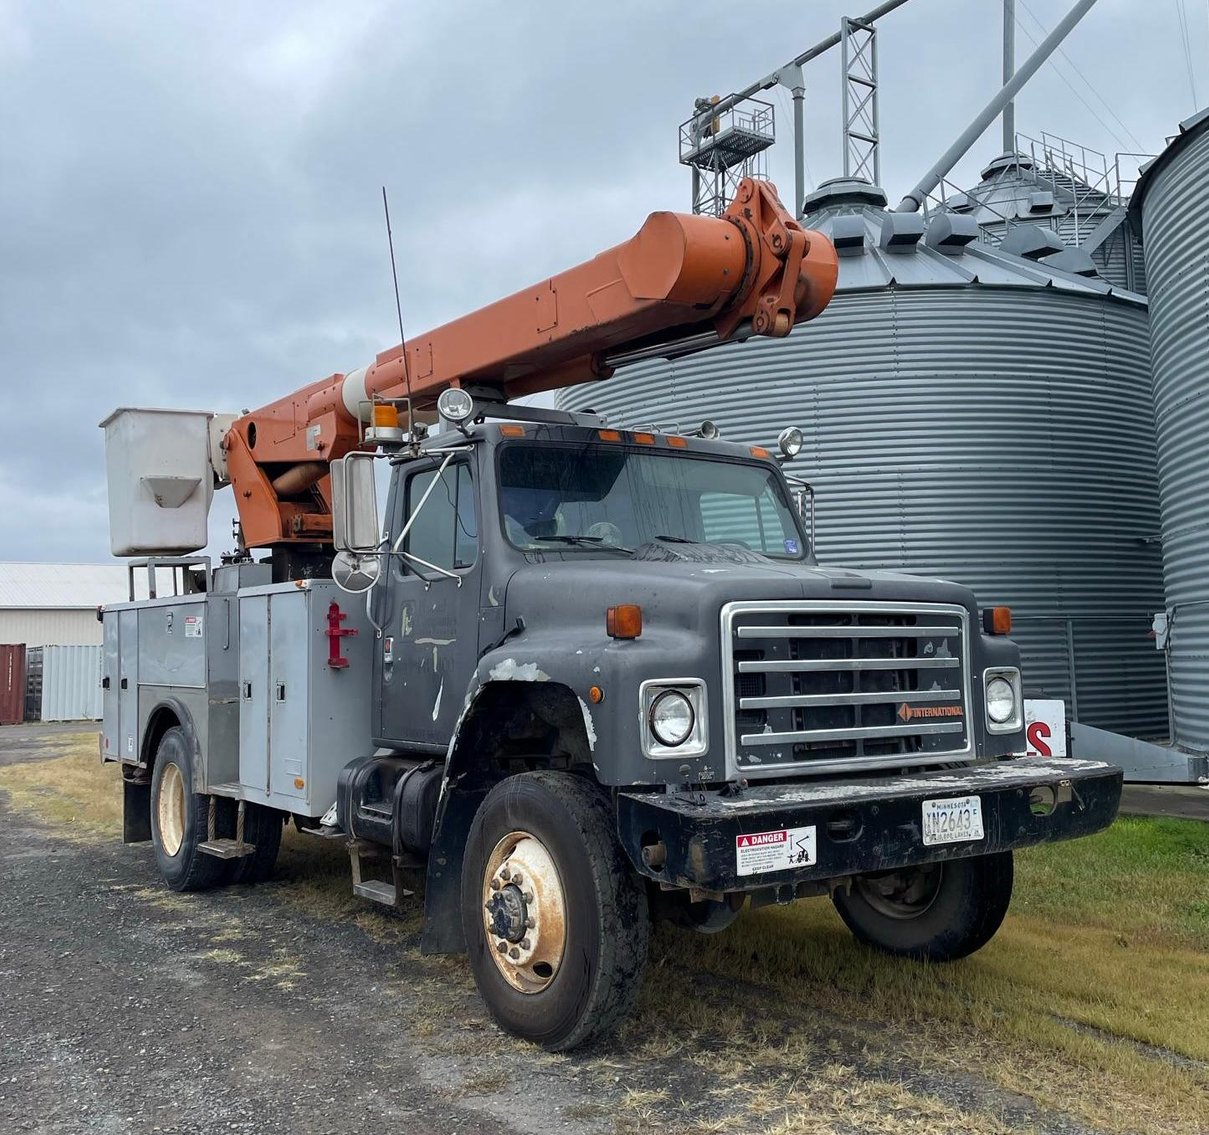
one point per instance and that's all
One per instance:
(1085, 208)
(969, 415)
(1169, 208)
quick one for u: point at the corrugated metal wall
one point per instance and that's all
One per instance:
(998, 437)
(71, 683)
(47, 627)
(1175, 208)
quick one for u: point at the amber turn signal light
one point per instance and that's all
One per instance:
(624, 621)
(997, 620)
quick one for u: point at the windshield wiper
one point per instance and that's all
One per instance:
(585, 542)
(677, 539)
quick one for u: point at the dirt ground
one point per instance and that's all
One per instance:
(126, 1008)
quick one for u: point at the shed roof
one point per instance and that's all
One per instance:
(59, 586)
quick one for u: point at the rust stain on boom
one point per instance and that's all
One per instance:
(679, 276)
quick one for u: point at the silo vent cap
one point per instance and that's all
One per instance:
(950, 234)
(1072, 260)
(1031, 241)
(901, 231)
(848, 234)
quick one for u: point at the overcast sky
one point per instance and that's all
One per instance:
(189, 191)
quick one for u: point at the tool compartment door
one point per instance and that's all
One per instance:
(253, 695)
(289, 695)
(128, 685)
(111, 733)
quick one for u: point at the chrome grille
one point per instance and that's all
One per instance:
(828, 687)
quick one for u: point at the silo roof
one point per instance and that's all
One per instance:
(882, 249)
(1190, 129)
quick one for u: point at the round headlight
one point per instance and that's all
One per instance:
(455, 405)
(1001, 700)
(790, 441)
(672, 718)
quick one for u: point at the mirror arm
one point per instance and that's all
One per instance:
(431, 567)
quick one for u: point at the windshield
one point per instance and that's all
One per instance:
(609, 497)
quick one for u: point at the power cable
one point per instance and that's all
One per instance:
(1074, 66)
(1182, 13)
(1075, 91)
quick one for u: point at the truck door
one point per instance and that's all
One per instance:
(429, 646)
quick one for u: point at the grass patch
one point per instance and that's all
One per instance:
(1092, 1001)
(74, 792)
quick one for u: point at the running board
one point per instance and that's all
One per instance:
(226, 848)
(390, 893)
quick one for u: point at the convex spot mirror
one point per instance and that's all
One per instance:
(355, 574)
(354, 504)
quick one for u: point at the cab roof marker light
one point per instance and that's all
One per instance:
(643, 439)
(609, 435)
(624, 621)
(760, 451)
(512, 431)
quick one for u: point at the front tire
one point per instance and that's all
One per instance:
(179, 819)
(938, 912)
(555, 917)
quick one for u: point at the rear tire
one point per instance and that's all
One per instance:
(939, 912)
(179, 819)
(261, 828)
(574, 930)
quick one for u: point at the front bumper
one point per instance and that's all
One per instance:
(865, 825)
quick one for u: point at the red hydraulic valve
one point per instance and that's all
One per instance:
(335, 632)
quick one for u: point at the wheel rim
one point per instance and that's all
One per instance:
(902, 894)
(524, 912)
(170, 809)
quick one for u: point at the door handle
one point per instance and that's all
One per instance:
(125, 683)
(105, 682)
(247, 691)
(281, 691)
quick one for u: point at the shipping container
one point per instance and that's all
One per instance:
(12, 683)
(71, 683)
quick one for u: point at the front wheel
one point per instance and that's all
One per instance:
(936, 912)
(556, 919)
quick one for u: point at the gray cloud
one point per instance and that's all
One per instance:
(189, 210)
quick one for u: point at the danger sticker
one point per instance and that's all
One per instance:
(758, 852)
(193, 626)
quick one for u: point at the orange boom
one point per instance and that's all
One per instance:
(682, 283)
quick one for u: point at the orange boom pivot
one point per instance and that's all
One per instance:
(753, 269)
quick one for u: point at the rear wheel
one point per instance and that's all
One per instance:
(261, 828)
(555, 918)
(179, 819)
(936, 912)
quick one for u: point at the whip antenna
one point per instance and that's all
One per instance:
(390, 241)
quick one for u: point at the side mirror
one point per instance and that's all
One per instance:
(354, 504)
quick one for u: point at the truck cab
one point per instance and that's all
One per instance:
(624, 671)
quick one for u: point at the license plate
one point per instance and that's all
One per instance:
(952, 821)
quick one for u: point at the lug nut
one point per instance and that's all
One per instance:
(514, 953)
(530, 923)
(505, 874)
(525, 944)
(527, 896)
(495, 884)
(518, 878)
(502, 947)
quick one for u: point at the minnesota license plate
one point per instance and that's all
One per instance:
(952, 821)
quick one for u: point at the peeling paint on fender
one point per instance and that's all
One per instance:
(512, 671)
(589, 727)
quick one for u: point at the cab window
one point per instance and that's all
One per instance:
(445, 532)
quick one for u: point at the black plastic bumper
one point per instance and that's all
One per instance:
(875, 824)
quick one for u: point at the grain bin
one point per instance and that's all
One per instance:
(1169, 210)
(970, 415)
(1070, 191)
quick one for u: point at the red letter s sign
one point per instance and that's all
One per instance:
(1038, 735)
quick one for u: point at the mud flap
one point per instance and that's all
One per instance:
(136, 811)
